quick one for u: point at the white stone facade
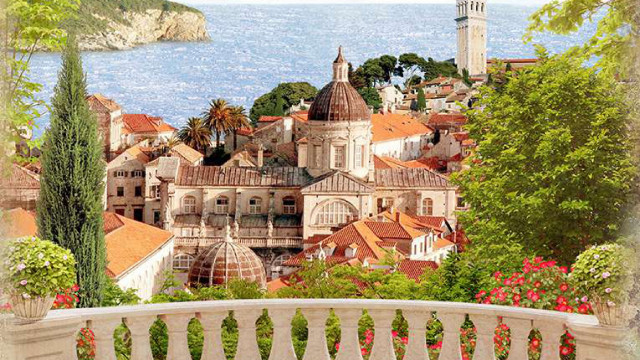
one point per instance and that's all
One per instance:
(472, 36)
(147, 275)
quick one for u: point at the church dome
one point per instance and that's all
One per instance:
(338, 100)
(225, 261)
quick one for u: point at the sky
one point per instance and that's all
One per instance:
(515, 2)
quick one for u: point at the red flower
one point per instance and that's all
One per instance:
(537, 284)
(535, 297)
(564, 287)
(535, 342)
(337, 346)
(583, 308)
(561, 300)
(75, 288)
(516, 297)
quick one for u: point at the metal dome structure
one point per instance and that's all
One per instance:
(224, 261)
(338, 100)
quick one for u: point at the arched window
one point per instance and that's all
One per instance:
(289, 205)
(482, 7)
(182, 262)
(222, 205)
(189, 205)
(427, 206)
(335, 213)
(255, 205)
(472, 6)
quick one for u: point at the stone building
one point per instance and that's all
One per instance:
(274, 208)
(110, 122)
(19, 188)
(471, 23)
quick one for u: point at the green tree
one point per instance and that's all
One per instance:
(239, 120)
(291, 93)
(278, 107)
(371, 97)
(552, 170)
(411, 63)
(432, 69)
(69, 208)
(422, 102)
(27, 26)
(373, 72)
(218, 118)
(457, 279)
(357, 78)
(196, 134)
(612, 44)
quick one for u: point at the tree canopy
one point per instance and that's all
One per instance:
(290, 93)
(552, 169)
(371, 97)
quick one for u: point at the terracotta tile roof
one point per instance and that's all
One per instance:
(143, 123)
(423, 224)
(137, 152)
(438, 81)
(265, 118)
(433, 221)
(393, 230)
(131, 243)
(395, 126)
(301, 116)
(387, 162)
(413, 269)
(304, 140)
(337, 181)
(427, 163)
(455, 158)
(441, 243)
(447, 119)
(244, 131)
(242, 176)
(17, 223)
(460, 136)
(128, 242)
(453, 97)
(459, 238)
(408, 178)
(288, 152)
(19, 178)
(468, 142)
(187, 153)
(315, 239)
(104, 101)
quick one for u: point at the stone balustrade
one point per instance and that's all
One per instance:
(54, 337)
(252, 242)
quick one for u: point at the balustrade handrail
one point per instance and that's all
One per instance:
(368, 304)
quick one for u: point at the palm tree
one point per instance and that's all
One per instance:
(218, 118)
(239, 120)
(196, 134)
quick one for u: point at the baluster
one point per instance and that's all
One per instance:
(551, 332)
(485, 330)
(247, 343)
(177, 328)
(212, 348)
(282, 347)
(382, 342)
(103, 337)
(317, 340)
(520, 329)
(416, 348)
(139, 328)
(451, 323)
(349, 344)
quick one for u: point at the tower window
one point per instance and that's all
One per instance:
(338, 159)
(359, 156)
(189, 205)
(222, 205)
(289, 205)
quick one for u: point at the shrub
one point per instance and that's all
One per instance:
(35, 267)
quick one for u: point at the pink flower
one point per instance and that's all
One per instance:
(23, 282)
(608, 290)
(394, 333)
(584, 299)
(606, 274)
(21, 267)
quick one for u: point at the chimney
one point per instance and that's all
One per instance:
(260, 155)
(398, 216)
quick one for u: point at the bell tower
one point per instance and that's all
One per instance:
(471, 23)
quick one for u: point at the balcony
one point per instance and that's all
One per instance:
(54, 337)
(252, 242)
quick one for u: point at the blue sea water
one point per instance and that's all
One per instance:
(255, 47)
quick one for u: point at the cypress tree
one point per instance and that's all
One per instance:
(422, 102)
(69, 210)
(278, 108)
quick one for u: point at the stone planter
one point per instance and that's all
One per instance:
(30, 310)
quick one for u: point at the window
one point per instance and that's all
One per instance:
(255, 205)
(121, 173)
(222, 205)
(137, 173)
(182, 262)
(317, 156)
(360, 156)
(154, 192)
(138, 191)
(120, 211)
(338, 156)
(156, 216)
(120, 191)
(461, 203)
(187, 232)
(335, 213)
(276, 266)
(427, 206)
(289, 205)
(137, 214)
(189, 205)
(385, 204)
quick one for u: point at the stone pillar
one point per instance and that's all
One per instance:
(238, 213)
(49, 339)
(595, 342)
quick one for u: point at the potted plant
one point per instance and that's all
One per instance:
(603, 273)
(34, 271)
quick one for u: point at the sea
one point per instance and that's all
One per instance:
(253, 48)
